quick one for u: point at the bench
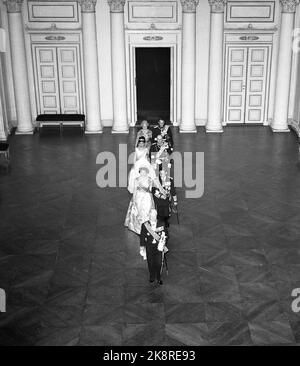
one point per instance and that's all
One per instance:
(4, 150)
(61, 120)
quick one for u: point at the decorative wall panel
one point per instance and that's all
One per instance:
(250, 11)
(53, 11)
(155, 14)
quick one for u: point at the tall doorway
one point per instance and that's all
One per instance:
(153, 79)
(246, 87)
(58, 82)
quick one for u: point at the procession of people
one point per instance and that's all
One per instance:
(154, 196)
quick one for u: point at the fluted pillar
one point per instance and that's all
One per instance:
(3, 129)
(215, 78)
(120, 124)
(283, 80)
(19, 67)
(188, 66)
(90, 64)
(3, 126)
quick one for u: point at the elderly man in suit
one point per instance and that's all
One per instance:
(163, 130)
(163, 201)
(152, 246)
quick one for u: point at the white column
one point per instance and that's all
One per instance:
(188, 67)
(19, 67)
(283, 80)
(91, 72)
(3, 127)
(215, 78)
(3, 118)
(120, 124)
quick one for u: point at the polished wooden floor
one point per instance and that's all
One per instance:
(72, 272)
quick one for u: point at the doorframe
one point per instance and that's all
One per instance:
(67, 38)
(171, 78)
(153, 40)
(264, 39)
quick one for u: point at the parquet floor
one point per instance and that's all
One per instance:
(72, 272)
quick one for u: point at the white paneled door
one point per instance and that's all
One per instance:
(58, 79)
(246, 84)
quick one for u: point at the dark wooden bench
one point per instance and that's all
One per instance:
(4, 150)
(61, 120)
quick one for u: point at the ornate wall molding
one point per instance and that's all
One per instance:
(217, 6)
(189, 6)
(14, 6)
(116, 6)
(288, 6)
(88, 6)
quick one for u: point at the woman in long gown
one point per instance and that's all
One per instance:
(146, 133)
(141, 202)
(140, 159)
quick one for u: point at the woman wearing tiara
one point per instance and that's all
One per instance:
(140, 159)
(142, 200)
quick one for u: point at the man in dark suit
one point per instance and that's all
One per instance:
(163, 130)
(163, 201)
(152, 246)
(160, 143)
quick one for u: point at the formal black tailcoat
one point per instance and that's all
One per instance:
(154, 256)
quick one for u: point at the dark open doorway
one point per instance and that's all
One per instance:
(153, 83)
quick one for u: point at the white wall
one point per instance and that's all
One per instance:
(202, 63)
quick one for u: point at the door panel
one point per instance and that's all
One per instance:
(246, 81)
(256, 83)
(68, 76)
(58, 79)
(47, 79)
(236, 79)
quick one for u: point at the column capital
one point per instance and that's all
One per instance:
(189, 6)
(116, 6)
(288, 6)
(14, 6)
(217, 6)
(88, 6)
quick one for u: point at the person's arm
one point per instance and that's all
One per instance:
(134, 157)
(143, 241)
(135, 190)
(157, 184)
(143, 236)
(173, 192)
(171, 143)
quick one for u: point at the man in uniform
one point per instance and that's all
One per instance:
(163, 130)
(152, 246)
(163, 201)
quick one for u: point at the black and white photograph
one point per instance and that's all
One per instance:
(149, 176)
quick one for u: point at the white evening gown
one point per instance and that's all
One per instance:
(140, 159)
(140, 204)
